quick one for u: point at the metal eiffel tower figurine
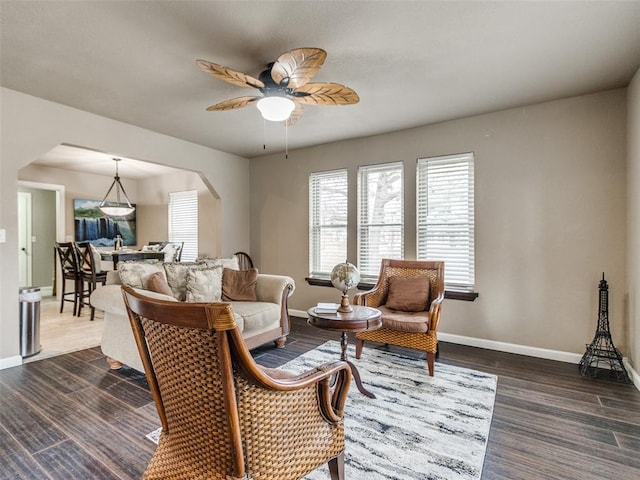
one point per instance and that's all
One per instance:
(601, 350)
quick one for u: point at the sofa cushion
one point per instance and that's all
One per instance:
(136, 273)
(157, 282)
(204, 285)
(258, 316)
(239, 285)
(408, 294)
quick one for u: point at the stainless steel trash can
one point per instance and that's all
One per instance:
(29, 321)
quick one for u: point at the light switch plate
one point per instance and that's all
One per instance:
(3, 235)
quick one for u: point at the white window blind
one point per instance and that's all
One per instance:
(445, 216)
(183, 222)
(327, 221)
(380, 216)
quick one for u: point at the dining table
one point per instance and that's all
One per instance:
(123, 255)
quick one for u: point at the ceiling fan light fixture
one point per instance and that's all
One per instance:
(117, 208)
(275, 109)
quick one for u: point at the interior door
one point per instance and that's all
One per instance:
(24, 239)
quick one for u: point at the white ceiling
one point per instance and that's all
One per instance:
(412, 63)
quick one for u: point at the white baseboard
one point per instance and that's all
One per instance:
(560, 356)
(635, 378)
(9, 362)
(46, 291)
(493, 345)
(537, 352)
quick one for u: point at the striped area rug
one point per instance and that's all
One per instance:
(418, 427)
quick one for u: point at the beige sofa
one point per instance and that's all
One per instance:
(260, 322)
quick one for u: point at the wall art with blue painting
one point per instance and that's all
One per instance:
(92, 225)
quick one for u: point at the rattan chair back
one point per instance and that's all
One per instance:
(222, 416)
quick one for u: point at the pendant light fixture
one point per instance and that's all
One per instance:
(117, 208)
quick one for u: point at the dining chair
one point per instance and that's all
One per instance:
(90, 272)
(68, 259)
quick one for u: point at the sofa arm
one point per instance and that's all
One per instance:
(269, 288)
(113, 277)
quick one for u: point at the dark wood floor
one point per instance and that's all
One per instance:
(68, 417)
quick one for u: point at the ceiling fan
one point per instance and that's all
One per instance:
(284, 86)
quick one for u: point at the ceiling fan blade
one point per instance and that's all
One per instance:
(326, 94)
(295, 115)
(233, 103)
(296, 67)
(228, 75)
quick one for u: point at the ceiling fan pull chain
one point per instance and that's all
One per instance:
(264, 134)
(286, 140)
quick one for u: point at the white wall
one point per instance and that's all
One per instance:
(633, 205)
(550, 216)
(78, 185)
(31, 126)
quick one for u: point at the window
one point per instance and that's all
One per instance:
(328, 221)
(380, 216)
(183, 222)
(445, 223)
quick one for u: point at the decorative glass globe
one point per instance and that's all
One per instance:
(344, 277)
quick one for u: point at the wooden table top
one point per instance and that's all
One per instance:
(361, 319)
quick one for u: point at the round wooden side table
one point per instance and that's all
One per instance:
(361, 319)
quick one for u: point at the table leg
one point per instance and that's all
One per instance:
(354, 371)
(356, 376)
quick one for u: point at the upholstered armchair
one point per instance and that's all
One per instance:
(409, 294)
(222, 415)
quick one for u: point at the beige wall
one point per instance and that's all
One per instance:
(31, 126)
(153, 194)
(633, 205)
(78, 185)
(550, 216)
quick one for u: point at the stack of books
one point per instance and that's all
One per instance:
(327, 307)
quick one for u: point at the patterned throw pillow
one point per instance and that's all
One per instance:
(177, 277)
(408, 294)
(204, 285)
(231, 263)
(239, 285)
(136, 273)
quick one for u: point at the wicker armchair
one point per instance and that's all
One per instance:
(417, 330)
(223, 416)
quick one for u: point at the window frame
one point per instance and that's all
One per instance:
(460, 276)
(316, 227)
(184, 202)
(370, 266)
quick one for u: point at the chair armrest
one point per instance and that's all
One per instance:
(434, 313)
(370, 298)
(315, 385)
(269, 288)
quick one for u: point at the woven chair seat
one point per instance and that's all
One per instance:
(412, 322)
